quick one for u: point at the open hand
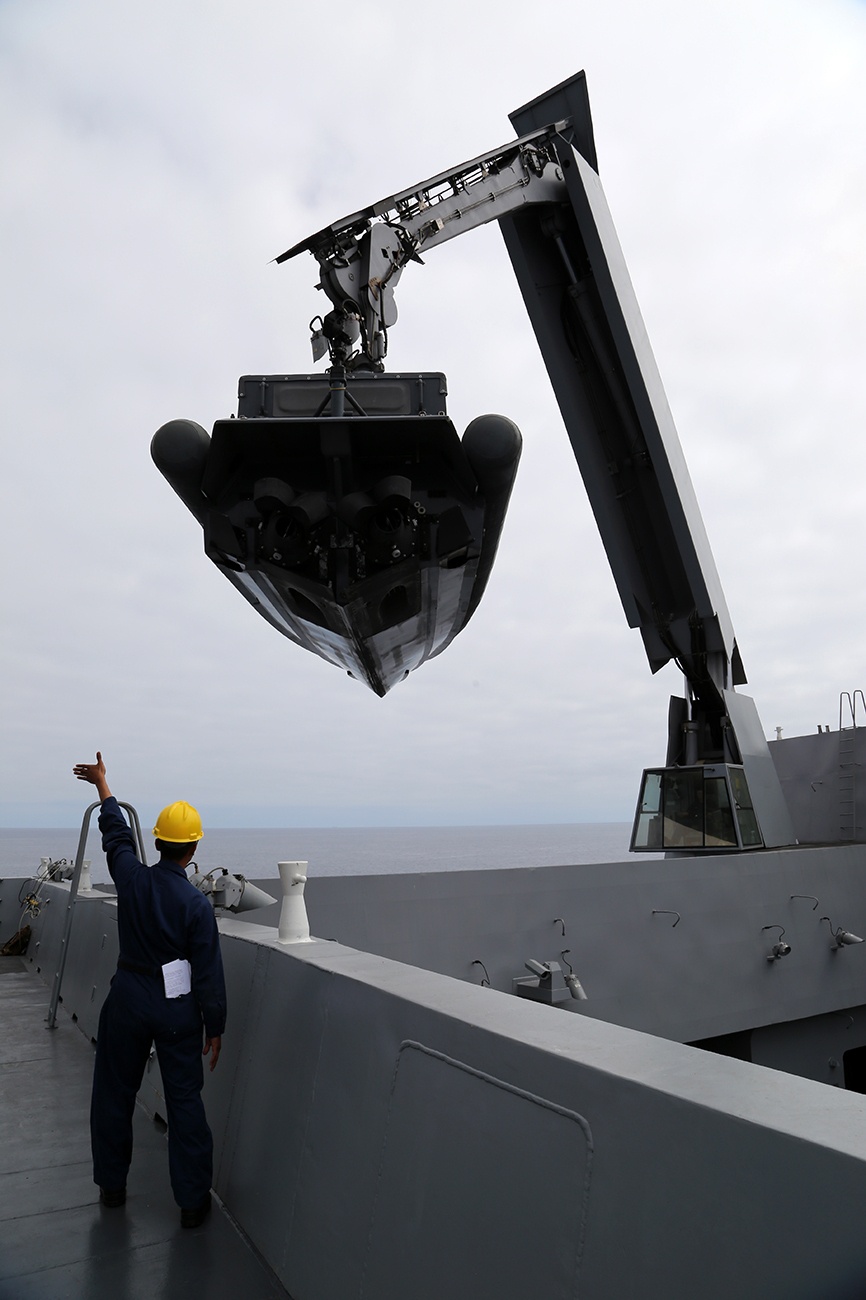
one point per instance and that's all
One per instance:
(90, 771)
(94, 773)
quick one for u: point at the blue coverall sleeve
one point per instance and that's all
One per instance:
(208, 980)
(118, 841)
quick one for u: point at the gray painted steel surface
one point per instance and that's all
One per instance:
(633, 466)
(350, 1085)
(704, 975)
(774, 816)
(823, 778)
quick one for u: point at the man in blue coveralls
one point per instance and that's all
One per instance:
(169, 990)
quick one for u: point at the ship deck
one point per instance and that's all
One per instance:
(56, 1241)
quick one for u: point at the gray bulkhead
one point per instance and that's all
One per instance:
(823, 779)
(385, 1130)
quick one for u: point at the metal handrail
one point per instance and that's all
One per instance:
(851, 697)
(135, 825)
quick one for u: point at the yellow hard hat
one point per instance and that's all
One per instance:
(178, 823)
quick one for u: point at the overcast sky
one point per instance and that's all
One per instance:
(156, 156)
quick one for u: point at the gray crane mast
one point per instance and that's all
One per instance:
(719, 788)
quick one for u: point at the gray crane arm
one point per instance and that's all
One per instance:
(544, 191)
(362, 256)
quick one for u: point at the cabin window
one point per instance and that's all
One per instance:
(749, 831)
(695, 809)
(718, 818)
(648, 827)
(683, 808)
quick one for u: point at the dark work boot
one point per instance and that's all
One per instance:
(195, 1217)
(112, 1198)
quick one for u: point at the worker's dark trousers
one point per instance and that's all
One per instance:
(136, 1015)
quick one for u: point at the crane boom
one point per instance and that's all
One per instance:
(560, 236)
(545, 192)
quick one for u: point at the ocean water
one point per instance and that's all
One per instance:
(350, 852)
